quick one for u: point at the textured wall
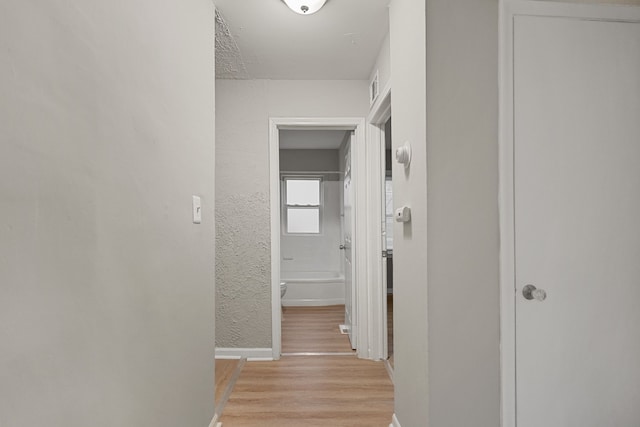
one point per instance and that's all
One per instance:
(243, 250)
(106, 285)
(243, 260)
(243, 269)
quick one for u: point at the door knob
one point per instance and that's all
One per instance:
(531, 292)
(341, 247)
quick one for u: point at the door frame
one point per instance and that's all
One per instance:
(359, 182)
(380, 113)
(509, 9)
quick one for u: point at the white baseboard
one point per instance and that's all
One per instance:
(247, 353)
(395, 422)
(214, 421)
(312, 302)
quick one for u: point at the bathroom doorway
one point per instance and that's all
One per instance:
(307, 233)
(315, 274)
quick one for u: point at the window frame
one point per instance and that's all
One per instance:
(284, 206)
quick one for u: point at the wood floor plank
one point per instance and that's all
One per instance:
(313, 330)
(390, 328)
(324, 391)
(224, 371)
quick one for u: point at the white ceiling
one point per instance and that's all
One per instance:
(266, 40)
(311, 139)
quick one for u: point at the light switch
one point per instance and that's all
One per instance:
(197, 210)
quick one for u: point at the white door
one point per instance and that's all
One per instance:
(349, 298)
(577, 222)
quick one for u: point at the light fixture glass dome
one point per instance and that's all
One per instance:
(305, 7)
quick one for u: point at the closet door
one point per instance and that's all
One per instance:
(577, 222)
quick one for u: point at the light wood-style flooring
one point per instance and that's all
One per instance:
(314, 330)
(302, 391)
(390, 327)
(224, 371)
(334, 388)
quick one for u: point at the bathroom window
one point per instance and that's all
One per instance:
(302, 207)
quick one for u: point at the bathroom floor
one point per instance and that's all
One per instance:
(314, 330)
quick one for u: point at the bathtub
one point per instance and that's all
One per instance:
(313, 288)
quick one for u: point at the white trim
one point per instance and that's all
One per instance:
(214, 421)
(377, 319)
(359, 232)
(312, 302)
(381, 109)
(248, 353)
(274, 185)
(394, 422)
(505, 202)
(508, 10)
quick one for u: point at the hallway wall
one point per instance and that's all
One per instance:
(408, 105)
(243, 235)
(106, 287)
(447, 360)
(462, 195)
(446, 300)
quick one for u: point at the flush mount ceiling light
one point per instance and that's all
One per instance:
(305, 7)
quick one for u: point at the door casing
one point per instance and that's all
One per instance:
(359, 182)
(380, 113)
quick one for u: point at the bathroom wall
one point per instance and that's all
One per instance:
(243, 235)
(320, 252)
(106, 285)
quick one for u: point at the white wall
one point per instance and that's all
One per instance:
(408, 103)
(318, 252)
(447, 364)
(631, 2)
(462, 190)
(446, 344)
(107, 288)
(243, 258)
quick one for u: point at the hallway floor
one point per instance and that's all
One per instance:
(296, 391)
(306, 390)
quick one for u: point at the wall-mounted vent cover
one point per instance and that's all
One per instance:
(374, 88)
